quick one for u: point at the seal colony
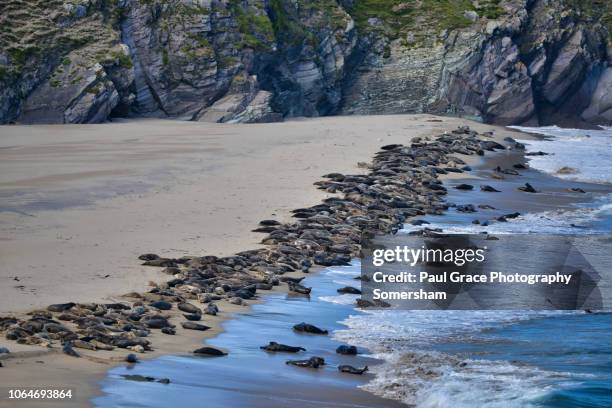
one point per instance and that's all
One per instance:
(402, 182)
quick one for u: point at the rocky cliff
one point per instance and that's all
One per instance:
(506, 62)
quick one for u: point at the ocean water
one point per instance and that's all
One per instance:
(504, 358)
(490, 358)
(586, 151)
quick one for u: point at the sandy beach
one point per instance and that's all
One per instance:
(80, 203)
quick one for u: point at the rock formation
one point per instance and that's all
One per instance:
(500, 61)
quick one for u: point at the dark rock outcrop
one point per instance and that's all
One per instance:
(512, 62)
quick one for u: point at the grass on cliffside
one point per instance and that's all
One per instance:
(48, 30)
(399, 17)
(307, 22)
(254, 25)
(596, 11)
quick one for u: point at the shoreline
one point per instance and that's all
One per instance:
(249, 376)
(407, 366)
(161, 349)
(226, 339)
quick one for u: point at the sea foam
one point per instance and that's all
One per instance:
(587, 151)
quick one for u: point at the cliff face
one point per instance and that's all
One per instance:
(507, 62)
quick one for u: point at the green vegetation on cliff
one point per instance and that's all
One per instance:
(399, 17)
(254, 26)
(301, 23)
(46, 31)
(596, 11)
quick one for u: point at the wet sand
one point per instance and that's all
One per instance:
(552, 192)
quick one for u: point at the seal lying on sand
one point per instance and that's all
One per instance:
(352, 370)
(274, 346)
(401, 182)
(194, 326)
(67, 349)
(308, 328)
(312, 362)
(189, 308)
(290, 279)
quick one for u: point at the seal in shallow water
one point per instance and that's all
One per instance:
(488, 189)
(347, 350)
(308, 328)
(352, 370)
(131, 358)
(210, 351)
(350, 290)
(274, 346)
(312, 362)
(297, 288)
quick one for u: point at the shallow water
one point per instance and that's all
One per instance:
(586, 151)
(248, 376)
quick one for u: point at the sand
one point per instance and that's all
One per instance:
(32, 367)
(79, 203)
